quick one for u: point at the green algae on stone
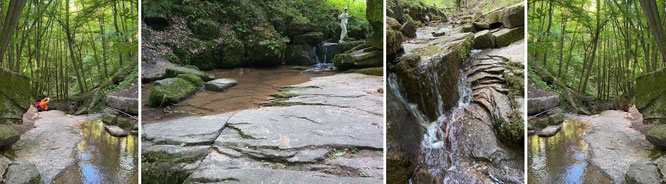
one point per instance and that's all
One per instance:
(651, 98)
(174, 71)
(196, 81)
(169, 91)
(377, 71)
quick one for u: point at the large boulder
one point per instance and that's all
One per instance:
(392, 23)
(408, 29)
(367, 57)
(174, 71)
(8, 135)
(394, 39)
(483, 40)
(170, 91)
(651, 98)
(196, 81)
(221, 84)
(126, 100)
(540, 100)
(309, 38)
(643, 172)
(300, 55)
(514, 16)
(504, 37)
(14, 96)
(657, 136)
(22, 172)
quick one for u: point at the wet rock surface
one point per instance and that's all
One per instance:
(614, 144)
(327, 130)
(468, 102)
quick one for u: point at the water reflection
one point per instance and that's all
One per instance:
(562, 158)
(102, 157)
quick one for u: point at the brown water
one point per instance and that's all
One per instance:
(255, 85)
(103, 158)
(562, 158)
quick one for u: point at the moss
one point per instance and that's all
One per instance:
(394, 41)
(160, 168)
(175, 71)
(169, 91)
(173, 58)
(125, 123)
(204, 29)
(193, 79)
(284, 94)
(375, 16)
(515, 79)
(377, 71)
(398, 168)
(511, 132)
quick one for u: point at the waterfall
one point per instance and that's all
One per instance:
(315, 57)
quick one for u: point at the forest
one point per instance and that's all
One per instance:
(595, 50)
(67, 48)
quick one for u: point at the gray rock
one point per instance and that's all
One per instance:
(300, 55)
(556, 119)
(408, 29)
(4, 164)
(115, 131)
(549, 131)
(125, 100)
(661, 164)
(504, 37)
(614, 145)
(188, 130)
(183, 153)
(657, 135)
(22, 172)
(643, 172)
(651, 98)
(311, 37)
(484, 39)
(540, 104)
(50, 145)
(221, 84)
(8, 135)
(514, 16)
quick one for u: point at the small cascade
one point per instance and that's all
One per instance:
(321, 60)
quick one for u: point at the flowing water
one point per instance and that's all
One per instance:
(562, 158)
(103, 158)
(255, 85)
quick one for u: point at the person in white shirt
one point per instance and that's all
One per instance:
(343, 24)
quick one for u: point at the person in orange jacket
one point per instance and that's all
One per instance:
(43, 105)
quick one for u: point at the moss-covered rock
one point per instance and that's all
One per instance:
(156, 13)
(14, 96)
(651, 98)
(391, 23)
(483, 40)
(175, 71)
(204, 29)
(556, 119)
(8, 135)
(512, 132)
(299, 55)
(374, 13)
(308, 38)
(657, 136)
(169, 91)
(394, 41)
(109, 118)
(196, 81)
(377, 71)
(514, 16)
(366, 57)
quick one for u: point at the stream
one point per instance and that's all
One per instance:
(102, 158)
(562, 158)
(255, 85)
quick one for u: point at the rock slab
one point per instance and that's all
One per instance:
(221, 84)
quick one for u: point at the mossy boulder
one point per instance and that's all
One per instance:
(175, 71)
(511, 132)
(392, 23)
(650, 97)
(514, 16)
(8, 135)
(307, 38)
(204, 29)
(408, 29)
(156, 13)
(394, 41)
(366, 57)
(299, 55)
(539, 122)
(196, 81)
(657, 136)
(14, 96)
(483, 40)
(505, 37)
(109, 119)
(374, 13)
(556, 119)
(169, 91)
